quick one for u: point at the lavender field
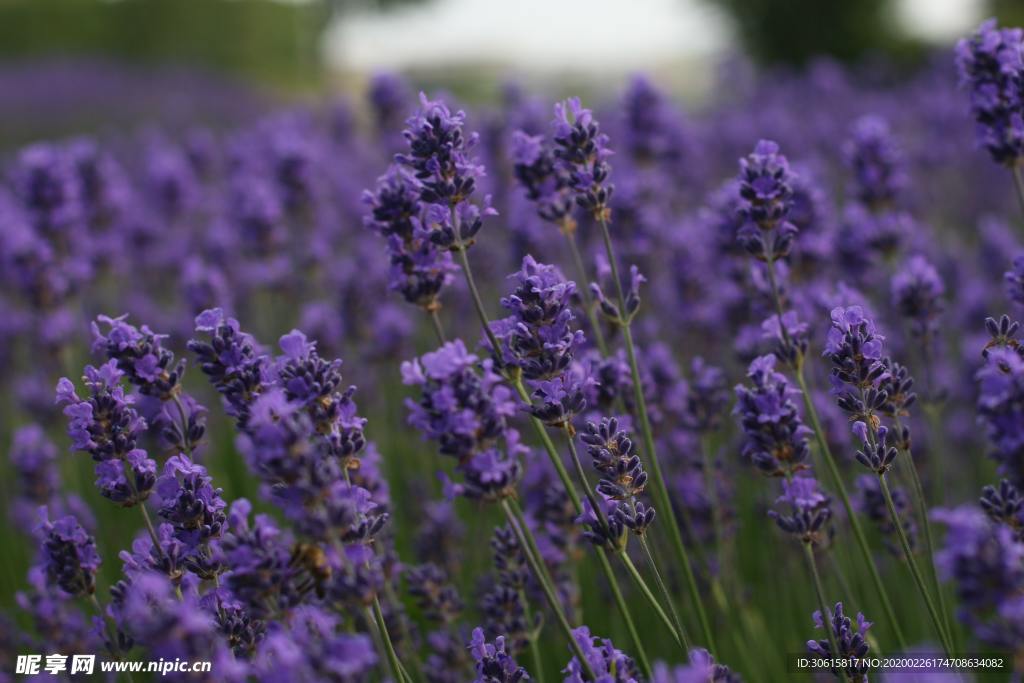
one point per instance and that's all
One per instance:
(624, 390)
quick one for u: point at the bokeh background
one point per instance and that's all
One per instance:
(64, 63)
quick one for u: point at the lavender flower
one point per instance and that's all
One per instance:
(701, 669)
(855, 350)
(140, 355)
(852, 643)
(493, 663)
(419, 268)
(194, 509)
(1004, 505)
(232, 360)
(70, 559)
(440, 157)
(623, 478)
(809, 509)
(1001, 388)
(1015, 281)
(917, 292)
(776, 436)
(582, 152)
(876, 163)
(766, 197)
(990, 66)
(106, 426)
(545, 183)
(610, 664)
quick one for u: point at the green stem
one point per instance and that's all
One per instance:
(711, 484)
(929, 543)
(526, 540)
(851, 514)
(583, 288)
(915, 570)
(389, 649)
(538, 666)
(660, 489)
(435, 321)
(645, 589)
(826, 613)
(681, 638)
(620, 601)
(477, 302)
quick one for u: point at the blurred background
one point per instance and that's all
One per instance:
(63, 62)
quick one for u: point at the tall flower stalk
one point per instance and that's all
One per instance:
(765, 200)
(582, 150)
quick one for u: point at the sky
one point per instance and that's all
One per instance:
(584, 35)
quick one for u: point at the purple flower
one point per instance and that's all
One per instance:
(140, 355)
(420, 269)
(808, 509)
(876, 163)
(493, 663)
(765, 199)
(991, 68)
(852, 643)
(1015, 281)
(232, 360)
(106, 426)
(582, 152)
(858, 369)
(312, 649)
(701, 669)
(190, 503)
(545, 183)
(608, 663)
(69, 555)
(1001, 409)
(776, 437)
(440, 157)
(917, 292)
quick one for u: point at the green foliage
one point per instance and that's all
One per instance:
(260, 39)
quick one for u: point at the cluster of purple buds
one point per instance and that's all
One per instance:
(140, 355)
(623, 478)
(610, 309)
(808, 511)
(195, 509)
(990, 66)
(876, 163)
(1004, 505)
(503, 605)
(917, 292)
(419, 268)
(106, 426)
(581, 152)
(858, 372)
(538, 340)
(608, 663)
(984, 562)
(69, 555)
(544, 180)
(776, 437)
(702, 669)
(493, 663)
(464, 406)
(765, 187)
(1001, 408)
(1015, 282)
(232, 360)
(877, 454)
(439, 156)
(852, 643)
(436, 597)
(1002, 334)
(789, 336)
(316, 384)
